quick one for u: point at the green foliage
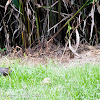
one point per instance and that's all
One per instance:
(16, 3)
(69, 28)
(91, 1)
(99, 32)
(2, 50)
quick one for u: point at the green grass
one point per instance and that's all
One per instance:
(74, 83)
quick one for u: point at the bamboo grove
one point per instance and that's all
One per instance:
(38, 23)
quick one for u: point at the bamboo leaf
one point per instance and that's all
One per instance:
(16, 3)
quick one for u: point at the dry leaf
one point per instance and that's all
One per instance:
(8, 2)
(92, 16)
(77, 44)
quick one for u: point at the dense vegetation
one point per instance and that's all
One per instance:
(35, 23)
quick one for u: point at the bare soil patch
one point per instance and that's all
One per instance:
(88, 54)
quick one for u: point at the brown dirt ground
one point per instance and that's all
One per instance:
(88, 54)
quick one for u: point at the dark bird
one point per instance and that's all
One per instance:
(5, 71)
